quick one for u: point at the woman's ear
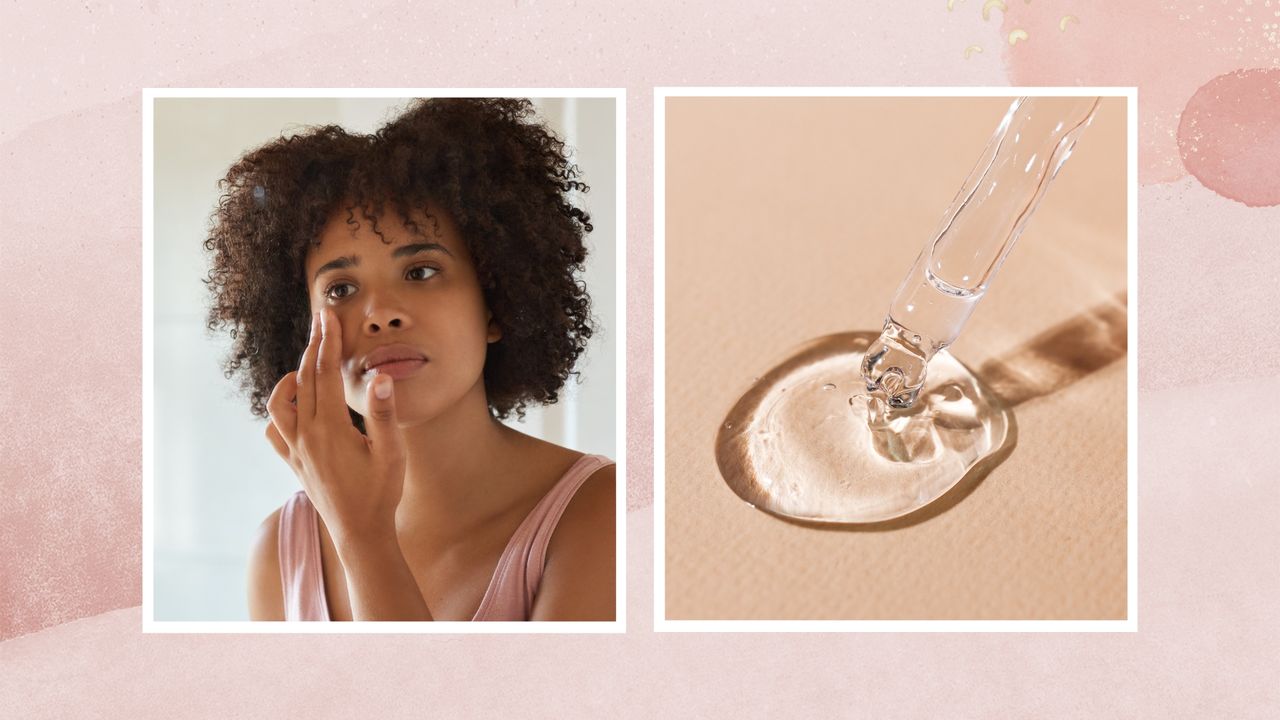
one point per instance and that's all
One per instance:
(494, 333)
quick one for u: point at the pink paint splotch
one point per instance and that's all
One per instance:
(1229, 136)
(1167, 49)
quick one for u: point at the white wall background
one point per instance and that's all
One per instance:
(216, 477)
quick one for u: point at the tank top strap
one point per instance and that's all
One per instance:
(301, 569)
(519, 572)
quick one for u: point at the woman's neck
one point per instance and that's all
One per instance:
(458, 466)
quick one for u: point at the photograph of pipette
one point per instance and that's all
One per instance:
(807, 443)
(897, 377)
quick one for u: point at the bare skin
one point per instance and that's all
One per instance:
(415, 515)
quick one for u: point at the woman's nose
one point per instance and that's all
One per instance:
(377, 324)
(383, 315)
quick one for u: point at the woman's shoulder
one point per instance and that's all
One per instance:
(587, 479)
(584, 483)
(547, 467)
(266, 590)
(596, 493)
(579, 578)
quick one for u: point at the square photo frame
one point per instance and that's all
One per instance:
(785, 217)
(209, 474)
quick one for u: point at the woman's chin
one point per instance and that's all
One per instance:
(419, 412)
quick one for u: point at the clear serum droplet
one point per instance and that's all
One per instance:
(800, 460)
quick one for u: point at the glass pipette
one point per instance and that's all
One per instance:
(955, 268)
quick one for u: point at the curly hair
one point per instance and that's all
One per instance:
(502, 176)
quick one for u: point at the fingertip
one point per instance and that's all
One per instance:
(382, 388)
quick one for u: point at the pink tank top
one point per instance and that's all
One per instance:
(511, 589)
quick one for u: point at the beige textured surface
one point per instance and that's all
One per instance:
(791, 218)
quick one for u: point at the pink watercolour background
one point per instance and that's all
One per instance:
(70, 366)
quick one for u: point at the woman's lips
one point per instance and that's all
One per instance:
(398, 369)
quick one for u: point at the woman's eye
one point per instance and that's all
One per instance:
(422, 272)
(339, 291)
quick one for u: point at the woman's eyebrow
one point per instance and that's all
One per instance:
(415, 248)
(402, 251)
(336, 264)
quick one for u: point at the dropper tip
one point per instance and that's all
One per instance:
(893, 370)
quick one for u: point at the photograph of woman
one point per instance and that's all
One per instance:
(390, 299)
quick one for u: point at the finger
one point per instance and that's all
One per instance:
(331, 399)
(280, 405)
(277, 442)
(380, 423)
(307, 375)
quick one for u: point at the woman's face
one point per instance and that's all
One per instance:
(411, 308)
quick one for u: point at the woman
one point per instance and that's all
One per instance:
(426, 274)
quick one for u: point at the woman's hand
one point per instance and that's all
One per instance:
(354, 482)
